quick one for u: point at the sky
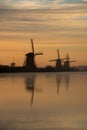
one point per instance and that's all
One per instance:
(53, 24)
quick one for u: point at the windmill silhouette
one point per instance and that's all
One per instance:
(29, 62)
(58, 65)
(67, 62)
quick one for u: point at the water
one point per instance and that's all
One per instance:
(43, 101)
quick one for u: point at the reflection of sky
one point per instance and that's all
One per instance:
(49, 110)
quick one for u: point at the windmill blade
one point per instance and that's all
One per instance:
(58, 53)
(32, 45)
(53, 60)
(72, 61)
(38, 54)
(67, 57)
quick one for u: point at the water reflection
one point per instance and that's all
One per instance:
(30, 86)
(59, 80)
(61, 105)
(67, 81)
(62, 79)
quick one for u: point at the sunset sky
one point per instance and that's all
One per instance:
(53, 24)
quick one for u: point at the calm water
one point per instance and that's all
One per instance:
(43, 101)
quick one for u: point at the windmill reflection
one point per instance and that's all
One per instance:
(62, 78)
(67, 81)
(58, 81)
(30, 86)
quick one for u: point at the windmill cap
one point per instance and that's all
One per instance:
(30, 54)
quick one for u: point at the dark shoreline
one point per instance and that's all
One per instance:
(7, 69)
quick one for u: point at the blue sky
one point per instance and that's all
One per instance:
(39, 3)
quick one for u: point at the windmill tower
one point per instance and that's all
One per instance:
(29, 62)
(67, 63)
(58, 65)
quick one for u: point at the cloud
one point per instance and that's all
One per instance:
(84, 0)
(18, 4)
(66, 20)
(38, 4)
(43, 21)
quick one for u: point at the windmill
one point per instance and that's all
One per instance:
(29, 62)
(67, 62)
(58, 61)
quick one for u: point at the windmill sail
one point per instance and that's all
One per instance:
(58, 53)
(32, 45)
